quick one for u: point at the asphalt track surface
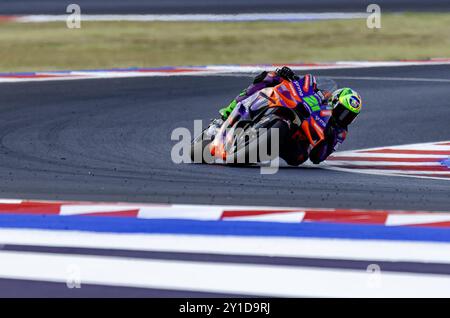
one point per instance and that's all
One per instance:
(17, 288)
(216, 6)
(110, 139)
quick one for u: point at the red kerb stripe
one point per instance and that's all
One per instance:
(31, 208)
(346, 216)
(348, 158)
(178, 70)
(231, 214)
(7, 18)
(398, 167)
(409, 151)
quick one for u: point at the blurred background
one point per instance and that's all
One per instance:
(34, 35)
(212, 230)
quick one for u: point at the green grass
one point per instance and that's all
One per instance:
(51, 46)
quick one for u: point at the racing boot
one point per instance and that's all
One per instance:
(226, 111)
(214, 126)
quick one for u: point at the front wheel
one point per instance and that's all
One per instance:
(200, 147)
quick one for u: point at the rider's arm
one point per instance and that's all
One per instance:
(335, 136)
(270, 79)
(263, 80)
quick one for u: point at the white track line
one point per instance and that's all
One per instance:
(243, 17)
(374, 78)
(363, 162)
(390, 173)
(405, 146)
(233, 70)
(357, 153)
(371, 250)
(398, 220)
(408, 79)
(223, 278)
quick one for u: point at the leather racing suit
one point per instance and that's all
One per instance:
(297, 149)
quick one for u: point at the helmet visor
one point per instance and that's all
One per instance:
(343, 115)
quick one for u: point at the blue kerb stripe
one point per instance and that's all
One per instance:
(18, 74)
(238, 228)
(446, 162)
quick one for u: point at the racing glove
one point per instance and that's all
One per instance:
(260, 77)
(287, 73)
(262, 80)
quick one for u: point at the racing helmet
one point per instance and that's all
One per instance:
(346, 105)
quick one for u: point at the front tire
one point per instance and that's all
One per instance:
(199, 149)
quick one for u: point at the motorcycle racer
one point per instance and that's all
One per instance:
(345, 105)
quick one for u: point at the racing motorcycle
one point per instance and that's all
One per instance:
(274, 114)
